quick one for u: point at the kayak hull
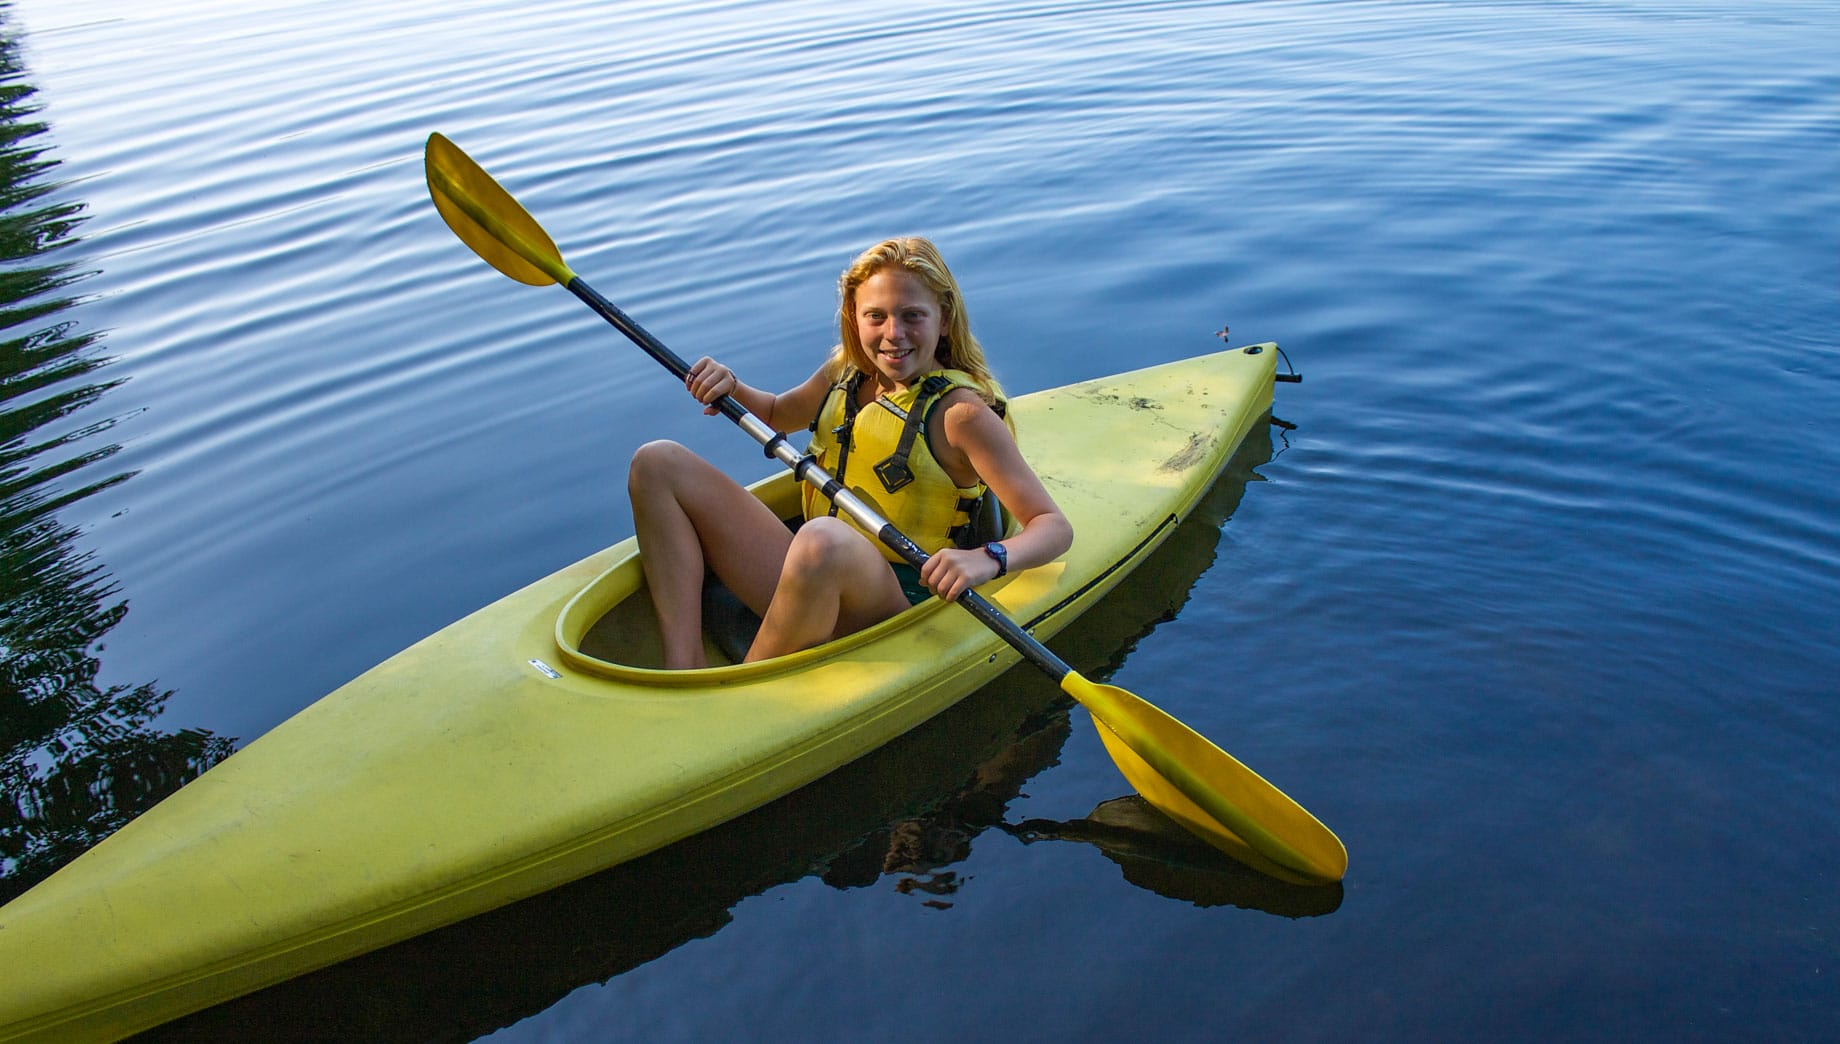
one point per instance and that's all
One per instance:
(529, 744)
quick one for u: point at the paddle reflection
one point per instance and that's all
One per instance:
(902, 817)
(77, 759)
(1156, 853)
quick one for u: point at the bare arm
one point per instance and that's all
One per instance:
(790, 410)
(977, 442)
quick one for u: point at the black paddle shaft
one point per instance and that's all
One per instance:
(653, 346)
(805, 467)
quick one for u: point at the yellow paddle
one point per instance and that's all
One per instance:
(1175, 768)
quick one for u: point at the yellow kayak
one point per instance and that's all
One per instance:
(532, 743)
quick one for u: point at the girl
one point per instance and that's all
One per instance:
(908, 417)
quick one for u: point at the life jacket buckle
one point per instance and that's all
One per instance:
(894, 473)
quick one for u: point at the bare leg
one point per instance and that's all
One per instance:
(833, 582)
(688, 516)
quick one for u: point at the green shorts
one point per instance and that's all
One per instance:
(911, 586)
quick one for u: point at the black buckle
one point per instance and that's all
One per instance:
(894, 473)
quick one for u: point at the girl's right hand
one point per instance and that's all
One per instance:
(708, 381)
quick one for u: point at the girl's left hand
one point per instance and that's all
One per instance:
(953, 571)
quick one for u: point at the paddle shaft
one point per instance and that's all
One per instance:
(805, 467)
(1176, 769)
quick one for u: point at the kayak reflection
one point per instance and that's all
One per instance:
(900, 817)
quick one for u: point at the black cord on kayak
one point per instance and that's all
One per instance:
(1292, 377)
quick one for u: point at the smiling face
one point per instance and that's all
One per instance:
(898, 319)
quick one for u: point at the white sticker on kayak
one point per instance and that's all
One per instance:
(546, 670)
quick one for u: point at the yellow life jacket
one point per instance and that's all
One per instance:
(880, 452)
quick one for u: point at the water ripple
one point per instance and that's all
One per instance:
(1554, 529)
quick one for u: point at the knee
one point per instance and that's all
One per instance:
(654, 464)
(824, 544)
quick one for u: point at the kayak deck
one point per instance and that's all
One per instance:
(529, 744)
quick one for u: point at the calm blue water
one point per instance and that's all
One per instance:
(1538, 606)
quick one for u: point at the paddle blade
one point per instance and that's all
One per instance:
(1207, 790)
(486, 218)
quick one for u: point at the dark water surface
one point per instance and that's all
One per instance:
(1538, 605)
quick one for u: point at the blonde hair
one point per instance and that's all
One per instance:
(958, 349)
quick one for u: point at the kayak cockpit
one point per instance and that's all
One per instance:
(626, 630)
(608, 629)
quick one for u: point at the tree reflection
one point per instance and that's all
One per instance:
(77, 758)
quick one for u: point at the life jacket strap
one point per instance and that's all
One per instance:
(894, 472)
(843, 431)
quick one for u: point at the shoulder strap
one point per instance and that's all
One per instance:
(848, 385)
(894, 472)
(851, 388)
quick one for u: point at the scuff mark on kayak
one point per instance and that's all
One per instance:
(1186, 457)
(1136, 402)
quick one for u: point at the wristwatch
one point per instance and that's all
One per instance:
(1001, 554)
